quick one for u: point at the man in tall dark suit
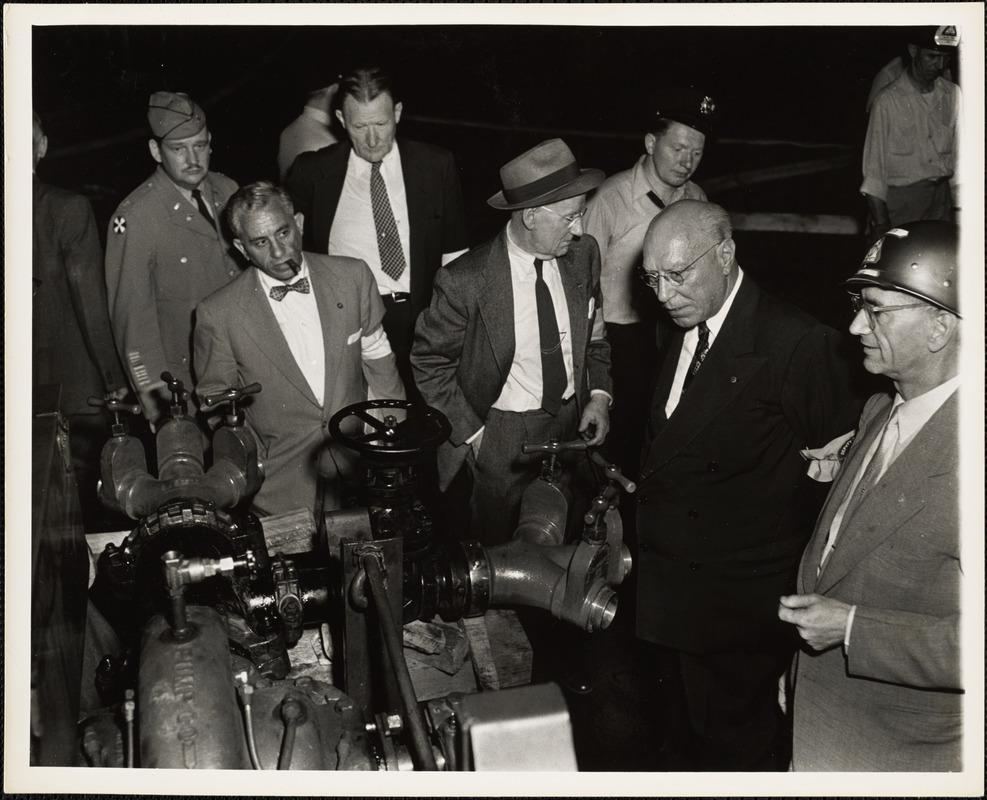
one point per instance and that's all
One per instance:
(72, 343)
(307, 327)
(513, 346)
(393, 203)
(724, 502)
(879, 685)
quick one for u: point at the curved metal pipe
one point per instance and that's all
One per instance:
(522, 573)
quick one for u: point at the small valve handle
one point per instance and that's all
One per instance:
(179, 394)
(613, 472)
(115, 407)
(232, 395)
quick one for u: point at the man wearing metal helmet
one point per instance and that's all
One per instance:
(877, 684)
(910, 152)
(166, 250)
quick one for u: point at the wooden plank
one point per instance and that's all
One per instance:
(438, 644)
(499, 649)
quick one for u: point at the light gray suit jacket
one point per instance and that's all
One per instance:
(238, 341)
(892, 700)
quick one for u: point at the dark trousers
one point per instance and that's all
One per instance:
(721, 711)
(399, 325)
(501, 472)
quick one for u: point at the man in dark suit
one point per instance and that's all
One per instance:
(513, 346)
(307, 327)
(724, 502)
(879, 686)
(72, 343)
(393, 203)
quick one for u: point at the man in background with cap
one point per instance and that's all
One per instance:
(911, 149)
(725, 504)
(513, 346)
(314, 342)
(617, 216)
(309, 131)
(393, 203)
(878, 686)
(166, 250)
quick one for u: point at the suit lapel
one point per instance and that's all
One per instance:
(496, 305)
(897, 496)
(262, 327)
(577, 304)
(184, 213)
(333, 337)
(725, 373)
(416, 195)
(328, 190)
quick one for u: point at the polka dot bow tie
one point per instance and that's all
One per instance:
(278, 292)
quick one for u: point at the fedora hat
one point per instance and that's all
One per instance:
(547, 173)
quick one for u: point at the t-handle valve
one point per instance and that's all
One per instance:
(233, 395)
(179, 394)
(116, 407)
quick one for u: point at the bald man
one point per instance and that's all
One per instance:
(724, 502)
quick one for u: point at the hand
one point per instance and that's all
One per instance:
(595, 422)
(116, 394)
(821, 621)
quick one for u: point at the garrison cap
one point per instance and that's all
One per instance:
(686, 105)
(942, 38)
(174, 115)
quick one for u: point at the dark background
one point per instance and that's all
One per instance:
(487, 93)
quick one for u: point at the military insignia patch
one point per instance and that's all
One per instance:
(119, 225)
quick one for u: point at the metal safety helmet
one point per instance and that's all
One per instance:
(917, 258)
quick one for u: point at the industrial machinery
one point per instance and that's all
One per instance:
(205, 678)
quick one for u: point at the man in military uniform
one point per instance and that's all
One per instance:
(166, 250)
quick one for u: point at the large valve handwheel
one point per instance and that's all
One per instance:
(425, 428)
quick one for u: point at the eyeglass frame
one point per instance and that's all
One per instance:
(570, 219)
(858, 304)
(676, 277)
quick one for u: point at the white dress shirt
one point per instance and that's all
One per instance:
(353, 230)
(523, 389)
(691, 341)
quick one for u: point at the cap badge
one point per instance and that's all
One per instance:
(707, 106)
(947, 36)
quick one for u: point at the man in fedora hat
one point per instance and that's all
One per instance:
(911, 148)
(617, 216)
(166, 250)
(513, 347)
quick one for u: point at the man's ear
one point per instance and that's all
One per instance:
(944, 329)
(398, 108)
(649, 143)
(300, 221)
(528, 217)
(341, 118)
(727, 251)
(239, 246)
(155, 149)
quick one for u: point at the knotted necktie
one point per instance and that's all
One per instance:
(278, 292)
(388, 242)
(203, 208)
(654, 198)
(702, 348)
(553, 375)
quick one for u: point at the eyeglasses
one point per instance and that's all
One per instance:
(570, 219)
(858, 304)
(674, 277)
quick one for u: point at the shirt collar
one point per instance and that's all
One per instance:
(644, 181)
(522, 262)
(267, 282)
(914, 413)
(389, 162)
(317, 114)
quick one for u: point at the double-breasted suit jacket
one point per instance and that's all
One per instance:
(464, 341)
(435, 205)
(725, 506)
(163, 257)
(72, 342)
(892, 699)
(238, 342)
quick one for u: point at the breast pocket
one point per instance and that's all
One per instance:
(902, 138)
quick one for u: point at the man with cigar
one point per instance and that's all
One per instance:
(166, 250)
(513, 347)
(307, 327)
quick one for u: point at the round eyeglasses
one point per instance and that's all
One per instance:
(570, 219)
(858, 304)
(676, 277)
